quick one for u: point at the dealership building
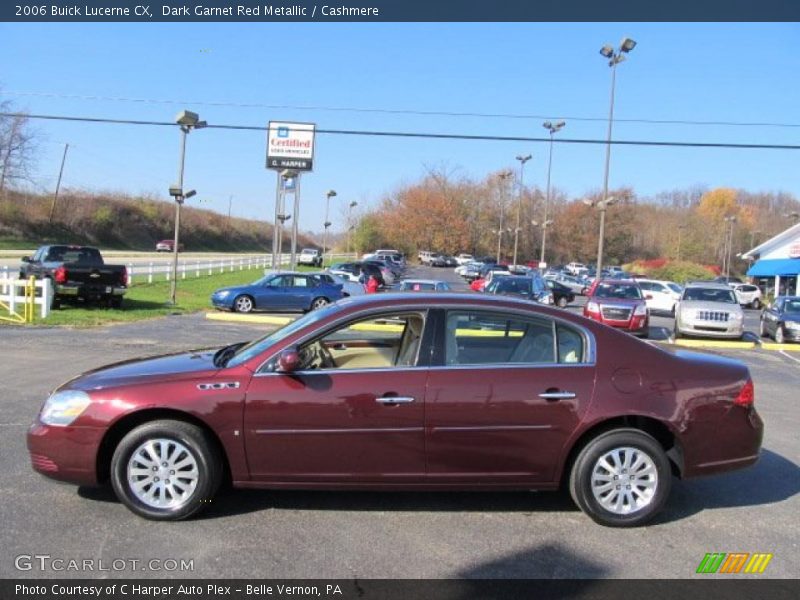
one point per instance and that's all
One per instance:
(776, 263)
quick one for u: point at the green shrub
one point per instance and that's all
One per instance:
(681, 272)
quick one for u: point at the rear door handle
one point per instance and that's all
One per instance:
(557, 395)
(394, 400)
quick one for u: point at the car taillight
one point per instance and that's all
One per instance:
(123, 277)
(747, 394)
(60, 275)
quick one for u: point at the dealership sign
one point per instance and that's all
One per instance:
(290, 146)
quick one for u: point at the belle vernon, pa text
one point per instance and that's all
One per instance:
(212, 589)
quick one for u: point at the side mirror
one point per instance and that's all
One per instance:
(26, 259)
(648, 297)
(288, 361)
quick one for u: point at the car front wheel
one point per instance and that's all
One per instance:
(756, 304)
(621, 478)
(762, 329)
(779, 337)
(243, 304)
(562, 302)
(166, 470)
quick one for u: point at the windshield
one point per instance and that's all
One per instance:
(260, 345)
(791, 306)
(614, 290)
(675, 288)
(709, 295)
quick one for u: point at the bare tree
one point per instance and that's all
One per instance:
(17, 147)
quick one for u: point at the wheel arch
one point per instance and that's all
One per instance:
(123, 426)
(655, 428)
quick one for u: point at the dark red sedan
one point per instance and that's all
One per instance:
(407, 391)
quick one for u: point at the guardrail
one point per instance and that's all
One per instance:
(34, 292)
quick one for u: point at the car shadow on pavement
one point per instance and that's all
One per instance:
(772, 479)
(550, 561)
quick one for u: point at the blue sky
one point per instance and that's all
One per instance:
(701, 72)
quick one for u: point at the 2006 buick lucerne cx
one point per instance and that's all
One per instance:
(414, 392)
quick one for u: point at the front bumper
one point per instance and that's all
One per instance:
(65, 453)
(222, 303)
(711, 329)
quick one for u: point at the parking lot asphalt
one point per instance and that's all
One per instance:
(277, 534)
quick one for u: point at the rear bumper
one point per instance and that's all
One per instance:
(733, 443)
(90, 291)
(65, 453)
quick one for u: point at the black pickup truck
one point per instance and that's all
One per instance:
(77, 272)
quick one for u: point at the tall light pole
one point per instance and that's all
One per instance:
(614, 58)
(729, 244)
(552, 128)
(522, 160)
(327, 223)
(680, 233)
(503, 176)
(350, 224)
(187, 121)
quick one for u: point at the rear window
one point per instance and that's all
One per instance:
(90, 256)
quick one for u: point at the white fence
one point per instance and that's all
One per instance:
(19, 298)
(187, 268)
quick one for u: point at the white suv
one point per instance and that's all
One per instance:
(747, 294)
(709, 310)
(660, 296)
(310, 256)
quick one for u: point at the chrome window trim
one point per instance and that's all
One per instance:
(590, 342)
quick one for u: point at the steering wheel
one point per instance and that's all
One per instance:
(325, 357)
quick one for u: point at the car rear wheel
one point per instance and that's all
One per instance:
(762, 329)
(319, 303)
(779, 337)
(756, 304)
(166, 470)
(243, 304)
(676, 332)
(562, 302)
(621, 478)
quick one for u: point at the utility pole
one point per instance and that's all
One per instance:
(522, 160)
(58, 184)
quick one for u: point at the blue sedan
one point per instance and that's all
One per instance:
(281, 292)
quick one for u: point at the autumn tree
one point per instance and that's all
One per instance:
(17, 147)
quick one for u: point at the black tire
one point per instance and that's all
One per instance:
(587, 464)
(762, 329)
(676, 332)
(780, 338)
(196, 443)
(243, 304)
(562, 302)
(756, 304)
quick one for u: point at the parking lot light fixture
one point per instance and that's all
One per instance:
(522, 160)
(553, 128)
(186, 120)
(327, 223)
(614, 58)
(350, 225)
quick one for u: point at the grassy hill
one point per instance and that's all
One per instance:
(126, 223)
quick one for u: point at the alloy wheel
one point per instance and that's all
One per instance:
(243, 304)
(162, 473)
(624, 480)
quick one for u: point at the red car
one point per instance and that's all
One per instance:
(407, 391)
(619, 304)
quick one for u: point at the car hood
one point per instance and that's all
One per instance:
(141, 370)
(233, 289)
(794, 317)
(719, 306)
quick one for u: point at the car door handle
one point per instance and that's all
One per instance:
(557, 395)
(394, 400)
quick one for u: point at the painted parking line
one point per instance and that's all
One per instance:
(714, 344)
(240, 318)
(780, 347)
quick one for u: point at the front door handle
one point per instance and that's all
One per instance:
(394, 400)
(557, 395)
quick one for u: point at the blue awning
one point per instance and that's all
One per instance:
(776, 266)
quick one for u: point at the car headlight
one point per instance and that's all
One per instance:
(793, 325)
(737, 316)
(640, 310)
(62, 408)
(223, 294)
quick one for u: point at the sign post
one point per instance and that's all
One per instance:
(290, 151)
